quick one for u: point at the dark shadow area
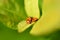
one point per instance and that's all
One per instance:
(40, 6)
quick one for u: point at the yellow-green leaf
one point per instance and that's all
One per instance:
(31, 7)
(22, 26)
(50, 18)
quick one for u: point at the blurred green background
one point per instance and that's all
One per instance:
(9, 34)
(13, 11)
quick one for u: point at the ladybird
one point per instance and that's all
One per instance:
(29, 20)
(34, 19)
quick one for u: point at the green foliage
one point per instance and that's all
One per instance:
(12, 12)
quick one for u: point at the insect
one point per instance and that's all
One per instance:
(34, 19)
(29, 20)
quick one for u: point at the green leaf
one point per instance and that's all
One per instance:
(14, 12)
(22, 26)
(32, 9)
(49, 20)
